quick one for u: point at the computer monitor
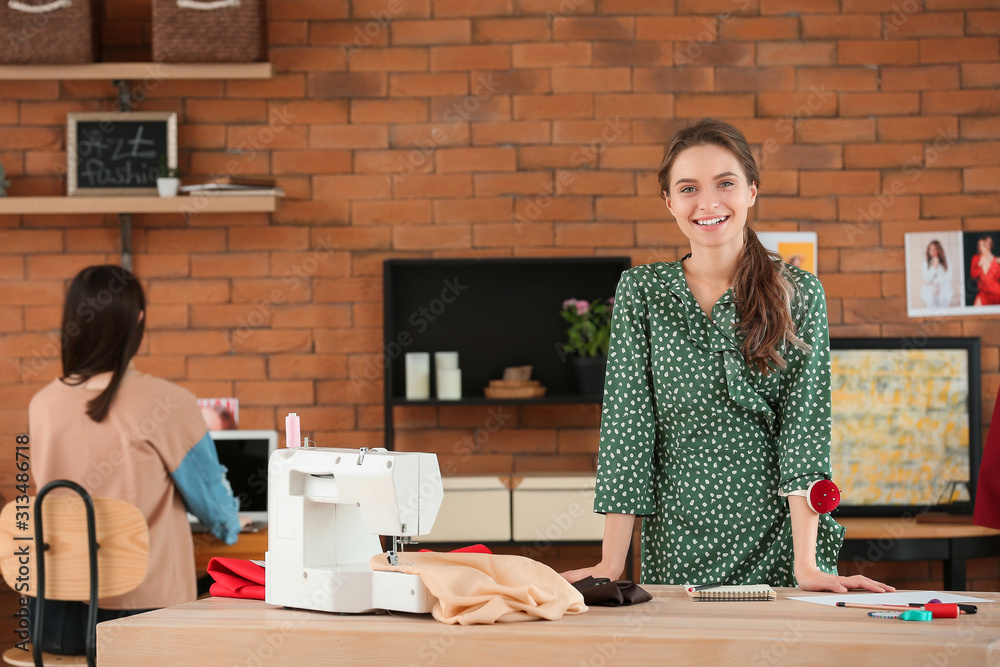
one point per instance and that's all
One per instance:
(245, 455)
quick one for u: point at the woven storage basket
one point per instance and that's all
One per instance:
(34, 32)
(208, 31)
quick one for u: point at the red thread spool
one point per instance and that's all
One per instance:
(823, 496)
(942, 609)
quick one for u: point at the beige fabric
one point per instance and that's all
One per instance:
(488, 588)
(151, 426)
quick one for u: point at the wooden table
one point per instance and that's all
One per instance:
(873, 539)
(867, 540)
(670, 628)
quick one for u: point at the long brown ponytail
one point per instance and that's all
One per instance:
(761, 285)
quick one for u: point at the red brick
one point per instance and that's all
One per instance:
(931, 24)
(917, 129)
(581, 182)
(963, 154)
(695, 54)
(818, 102)
(511, 30)
(17, 138)
(264, 293)
(676, 28)
(477, 57)
(393, 161)
(580, 79)
(698, 105)
(759, 28)
(602, 234)
(307, 59)
(557, 7)
(796, 53)
(229, 316)
(981, 128)
(835, 130)
(432, 238)
(939, 206)
(203, 136)
(224, 265)
(982, 23)
(517, 132)
(46, 318)
(419, 85)
(175, 240)
(929, 77)
(632, 54)
(924, 181)
(350, 186)
(879, 104)
(287, 33)
(554, 54)
(356, 340)
(307, 366)
(476, 159)
(726, 7)
(980, 75)
(225, 111)
(379, 10)
(275, 392)
(525, 233)
(479, 209)
(374, 59)
(673, 79)
(312, 315)
(402, 212)
(819, 183)
(882, 206)
(631, 208)
(521, 183)
(544, 207)
(881, 155)
(226, 368)
(961, 102)
(533, 107)
(797, 208)
(454, 31)
(433, 185)
(594, 28)
(423, 135)
(30, 241)
(347, 85)
(388, 111)
(837, 78)
(30, 90)
(548, 157)
(982, 179)
(631, 157)
(311, 9)
(482, 8)
(186, 342)
(248, 136)
(753, 79)
(842, 26)
(877, 52)
(839, 285)
(458, 110)
(310, 162)
(805, 157)
(356, 34)
(959, 50)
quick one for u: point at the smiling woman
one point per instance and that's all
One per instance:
(716, 420)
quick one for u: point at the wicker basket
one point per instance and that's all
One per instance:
(208, 31)
(34, 32)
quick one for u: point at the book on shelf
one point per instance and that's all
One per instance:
(232, 190)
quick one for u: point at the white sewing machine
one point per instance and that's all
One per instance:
(326, 509)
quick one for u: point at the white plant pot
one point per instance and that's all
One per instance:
(167, 187)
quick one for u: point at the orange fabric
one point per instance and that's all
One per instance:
(151, 426)
(475, 588)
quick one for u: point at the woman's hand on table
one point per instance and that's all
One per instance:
(814, 579)
(597, 572)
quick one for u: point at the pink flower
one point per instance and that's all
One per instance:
(569, 303)
(582, 307)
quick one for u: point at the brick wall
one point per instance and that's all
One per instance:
(500, 128)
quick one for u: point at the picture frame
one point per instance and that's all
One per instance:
(945, 276)
(796, 248)
(118, 154)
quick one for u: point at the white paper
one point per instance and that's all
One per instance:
(899, 598)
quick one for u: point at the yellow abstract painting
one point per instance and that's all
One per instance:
(900, 425)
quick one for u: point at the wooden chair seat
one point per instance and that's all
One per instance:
(19, 658)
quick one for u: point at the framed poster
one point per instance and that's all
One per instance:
(797, 248)
(952, 273)
(113, 153)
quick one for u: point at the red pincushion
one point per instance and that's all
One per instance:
(823, 496)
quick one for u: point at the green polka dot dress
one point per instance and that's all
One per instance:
(699, 443)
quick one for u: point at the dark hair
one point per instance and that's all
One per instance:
(989, 241)
(761, 284)
(102, 327)
(940, 249)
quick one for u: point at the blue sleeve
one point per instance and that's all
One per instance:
(201, 479)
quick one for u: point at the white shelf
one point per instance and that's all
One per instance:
(182, 204)
(135, 71)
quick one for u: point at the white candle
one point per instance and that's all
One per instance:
(445, 361)
(449, 384)
(418, 376)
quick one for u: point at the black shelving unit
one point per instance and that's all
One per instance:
(495, 313)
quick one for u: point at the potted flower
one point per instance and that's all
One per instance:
(168, 181)
(589, 335)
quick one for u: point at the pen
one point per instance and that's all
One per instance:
(949, 610)
(707, 586)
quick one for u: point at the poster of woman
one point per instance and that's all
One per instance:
(934, 273)
(983, 269)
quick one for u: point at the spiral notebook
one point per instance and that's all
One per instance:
(749, 593)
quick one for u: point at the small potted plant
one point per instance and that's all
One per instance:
(168, 181)
(589, 336)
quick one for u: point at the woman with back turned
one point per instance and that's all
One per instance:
(124, 434)
(716, 419)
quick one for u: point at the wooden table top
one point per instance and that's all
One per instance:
(227, 631)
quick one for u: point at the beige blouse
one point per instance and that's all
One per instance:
(151, 426)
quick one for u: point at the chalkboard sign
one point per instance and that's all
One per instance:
(111, 153)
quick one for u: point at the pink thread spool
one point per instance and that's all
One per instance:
(292, 431)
